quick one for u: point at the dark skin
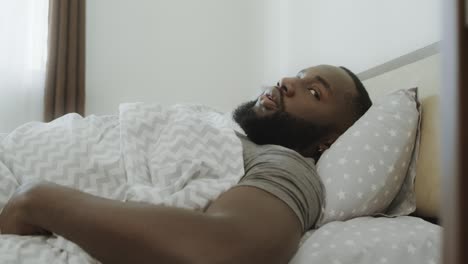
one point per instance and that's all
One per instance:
(244, 225)
(316, 94)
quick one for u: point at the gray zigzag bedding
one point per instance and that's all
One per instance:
(182, 156)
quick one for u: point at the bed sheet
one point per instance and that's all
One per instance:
(366, 240)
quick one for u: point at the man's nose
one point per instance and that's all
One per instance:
(287, 86)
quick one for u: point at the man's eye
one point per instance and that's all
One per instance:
(315, 93)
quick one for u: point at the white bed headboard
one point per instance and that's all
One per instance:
(422, 72)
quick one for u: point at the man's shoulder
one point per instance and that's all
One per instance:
(287, 175)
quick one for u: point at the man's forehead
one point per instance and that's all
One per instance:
(308, 71)
(321, 70)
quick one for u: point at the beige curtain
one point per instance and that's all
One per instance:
(65, 80)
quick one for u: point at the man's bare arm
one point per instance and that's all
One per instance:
(245, 225)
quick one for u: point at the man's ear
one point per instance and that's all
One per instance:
(325, 144)
(315, 151)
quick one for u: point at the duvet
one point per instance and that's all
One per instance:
(183, 156)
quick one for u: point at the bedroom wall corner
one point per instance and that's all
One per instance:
(359, 34)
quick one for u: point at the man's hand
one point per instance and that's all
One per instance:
(14, 216)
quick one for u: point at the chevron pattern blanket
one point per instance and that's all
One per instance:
(183, 156)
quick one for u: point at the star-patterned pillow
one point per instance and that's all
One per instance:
(365, 171)
(368, 240)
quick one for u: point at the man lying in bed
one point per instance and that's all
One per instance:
(260, 220)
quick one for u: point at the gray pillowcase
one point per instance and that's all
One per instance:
(370, 169)
(369, 240)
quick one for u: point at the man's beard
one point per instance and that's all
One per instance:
(279, 128)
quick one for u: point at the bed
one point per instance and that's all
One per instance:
(354, 238)
(415, 238)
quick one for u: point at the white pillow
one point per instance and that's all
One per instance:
(366, 168)
(368, 240)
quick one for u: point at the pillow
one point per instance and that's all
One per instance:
(365, 171)
(369, 240)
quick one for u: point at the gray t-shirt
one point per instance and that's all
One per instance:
(287, 175)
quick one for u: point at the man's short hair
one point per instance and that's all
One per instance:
(362, 102)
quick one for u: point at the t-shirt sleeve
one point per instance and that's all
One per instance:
(291, 178)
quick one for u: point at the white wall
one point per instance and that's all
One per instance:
(204, 51)
(220, 52)
(358, 34)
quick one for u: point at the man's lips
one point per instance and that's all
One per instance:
(270, 100)
(267, 101)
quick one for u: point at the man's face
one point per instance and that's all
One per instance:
(300, 112)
